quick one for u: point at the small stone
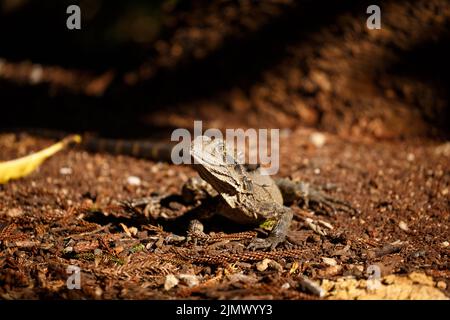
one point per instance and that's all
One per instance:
(410, 157)
(402, 225)
(329, 261)
(65, 171)
(317, 171)
(263, 265)
(154, 169)
(285, 286)
(190, 279)
(134, 181)
(275, 265)
(170, 282)
(444, 192)
(441, 285)
(318, 139)
(330, 271)
(445, 244)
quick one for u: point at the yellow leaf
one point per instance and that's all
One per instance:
(294, 267)
(22, 167)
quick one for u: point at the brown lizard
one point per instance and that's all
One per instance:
(247, 196)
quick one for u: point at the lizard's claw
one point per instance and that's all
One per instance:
(150, 204)
(140, 202)
(270, 242)
(303, 192)
(330, 204)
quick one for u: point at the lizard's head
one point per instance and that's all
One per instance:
(216, 164)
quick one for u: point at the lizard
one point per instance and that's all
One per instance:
(246, 196)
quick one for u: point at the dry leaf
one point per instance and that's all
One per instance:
(18, 168)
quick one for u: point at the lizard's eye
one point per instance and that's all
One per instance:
(248, 185)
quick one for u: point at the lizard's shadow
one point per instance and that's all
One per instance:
(203, 212)
(178, 225)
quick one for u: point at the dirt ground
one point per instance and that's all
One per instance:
(363, 115)
(65, 214)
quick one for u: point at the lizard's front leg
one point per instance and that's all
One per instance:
(300, 191)
(280, 220)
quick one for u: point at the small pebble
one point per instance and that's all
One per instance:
(318, 139)
(441, 285)
(65, 171)
(329, 271)
(285, 286)
(190, 279)
(410, 157)
(134, 181)
(445, 244)
(263, 265)
(170, 282)
(329, 261)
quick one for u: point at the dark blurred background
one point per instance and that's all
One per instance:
(141, 68)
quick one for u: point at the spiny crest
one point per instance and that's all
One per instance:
(205, 150)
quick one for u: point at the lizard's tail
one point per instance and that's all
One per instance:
(156, 151)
